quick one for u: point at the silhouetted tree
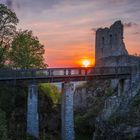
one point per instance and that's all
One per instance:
(8, 22)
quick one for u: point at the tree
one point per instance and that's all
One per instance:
(26, 51)
(8, 22)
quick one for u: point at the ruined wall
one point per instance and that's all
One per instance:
(110, 48)
(122, 60)
(109, 41)
(110, 51)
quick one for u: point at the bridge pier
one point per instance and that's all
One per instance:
(32, 111)
(67, 115)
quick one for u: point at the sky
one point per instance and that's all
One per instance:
(67, 27)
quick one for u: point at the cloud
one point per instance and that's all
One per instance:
(118, 1)
(9, 3)
(12, 4)
(136, 33)
(94, 29)
(130, 24)
(36, 5)
(66, 24)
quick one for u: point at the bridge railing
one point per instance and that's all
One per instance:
(61, 72)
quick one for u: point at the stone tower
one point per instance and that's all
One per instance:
(109, 41)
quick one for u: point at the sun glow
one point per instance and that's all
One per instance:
(86, 63)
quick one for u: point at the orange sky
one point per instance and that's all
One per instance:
(65, 27)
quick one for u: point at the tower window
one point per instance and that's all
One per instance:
(110, 39)
(103, 40)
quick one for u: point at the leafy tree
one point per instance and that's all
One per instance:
(26, 51)
(8, 22)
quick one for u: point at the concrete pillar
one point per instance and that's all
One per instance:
(32, 111)
(67, 115)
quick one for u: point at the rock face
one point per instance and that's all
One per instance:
(109, 41)
(89, 100)
(116, 119)
(119, 118)
(84, 96)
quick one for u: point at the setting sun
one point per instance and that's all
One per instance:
(86, 63)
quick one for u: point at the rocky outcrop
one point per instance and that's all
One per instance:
(89, 100)
(86, 93)
(100, 109)
(118, 117)
(114, 121)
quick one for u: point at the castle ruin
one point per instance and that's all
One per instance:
(109, 41)
(110, 47)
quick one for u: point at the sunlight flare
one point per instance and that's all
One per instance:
(86, 63)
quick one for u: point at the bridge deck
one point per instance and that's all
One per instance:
(64, 74)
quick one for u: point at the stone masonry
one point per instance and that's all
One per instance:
(109, 41)
(67, 111)
(110, 48)
(32, 111)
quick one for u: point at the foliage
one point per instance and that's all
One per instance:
(83, 137)
(135, 103)
(117, 120)
(49, 136)
(8, 21)
(26, 51)
(85, 120)
(29, 137)
(84, 123)
(49, 111)
(52, 91)
(109, 92)
(7, 98)
(3, 126)
(13, 103)
(132, 114)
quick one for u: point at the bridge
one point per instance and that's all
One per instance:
(50, 75)
(65, 75)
